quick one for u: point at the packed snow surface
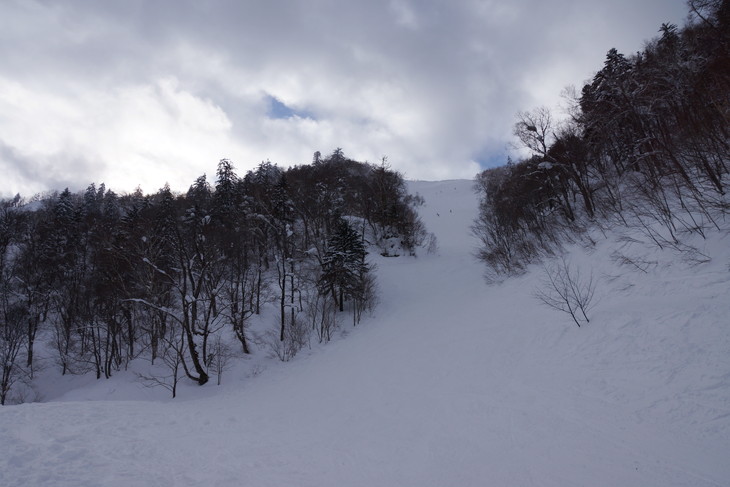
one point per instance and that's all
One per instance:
(452, 382)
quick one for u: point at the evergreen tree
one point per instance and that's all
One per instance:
(343, 267)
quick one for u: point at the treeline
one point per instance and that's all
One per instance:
(647, 145)
(108, 278)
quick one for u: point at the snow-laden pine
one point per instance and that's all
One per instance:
(450, 382)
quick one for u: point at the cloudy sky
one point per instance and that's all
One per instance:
(134, 92)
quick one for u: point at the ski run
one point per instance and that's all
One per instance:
(450, 382)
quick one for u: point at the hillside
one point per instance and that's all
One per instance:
(451, 382)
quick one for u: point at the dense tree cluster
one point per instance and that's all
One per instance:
(108, 278)
(647, 145)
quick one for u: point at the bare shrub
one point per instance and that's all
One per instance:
(321, 315)
(367, 297)
(296, 336)
(432, 245)
(633, 262)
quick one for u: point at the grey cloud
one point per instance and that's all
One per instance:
(33, 174)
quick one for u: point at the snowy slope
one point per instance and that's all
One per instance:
(452, 382)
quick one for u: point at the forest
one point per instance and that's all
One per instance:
(101, 279)
(97, 279)
(646, 145)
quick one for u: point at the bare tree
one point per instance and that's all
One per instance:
(172, 353)
(11, 340)
(536, 130)
(219, 358)
(563, 288)
(705, 10)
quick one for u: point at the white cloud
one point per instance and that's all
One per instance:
(142, 93)
(140, 134)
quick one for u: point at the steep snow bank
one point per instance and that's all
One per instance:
(451, 382)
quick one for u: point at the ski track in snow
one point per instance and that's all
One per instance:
(451, 382)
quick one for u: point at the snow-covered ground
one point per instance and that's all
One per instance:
(451, 382)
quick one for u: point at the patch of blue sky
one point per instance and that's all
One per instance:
(279, 110)
(489, 159)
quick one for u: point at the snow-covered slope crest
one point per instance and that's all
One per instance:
(452, 382)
